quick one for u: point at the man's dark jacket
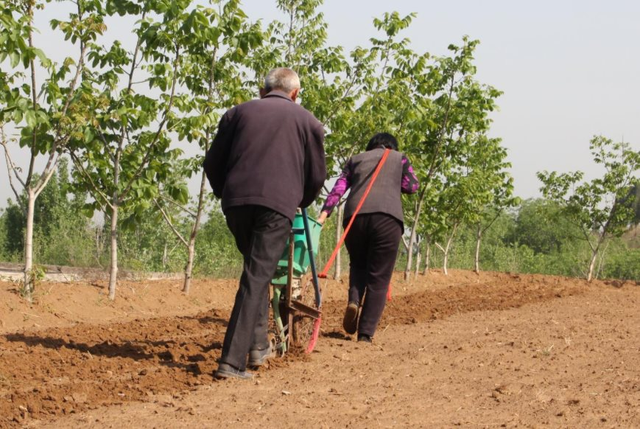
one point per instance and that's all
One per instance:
(267, 152)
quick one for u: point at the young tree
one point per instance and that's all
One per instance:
(597, 207)
(502, 201)
(452, 107)
(59, 230)
(453, 209)
(493, 193)
(48, 111)
(214, 59)
(125, 146)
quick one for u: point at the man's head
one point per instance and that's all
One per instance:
(282, 79)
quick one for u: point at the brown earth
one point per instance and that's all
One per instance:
(488, 350)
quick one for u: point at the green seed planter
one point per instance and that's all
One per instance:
(300, 251)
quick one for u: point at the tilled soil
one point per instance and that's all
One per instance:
(494, 350)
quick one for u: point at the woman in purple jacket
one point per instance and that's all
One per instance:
(374, 237)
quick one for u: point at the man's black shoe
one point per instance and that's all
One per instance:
(364, 338)
(227, 371)
(259, 357)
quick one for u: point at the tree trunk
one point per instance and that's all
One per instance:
(189, 267)
(115, 205)
(592, 264)
(194, 233)
(477, 256)
(418, 261)
(113, 270)
(98, 244)
(602, 260)
(338, 264)
(445, 259)
(427, 255)
(412, 237)
(594, 257)
(164, 256)
(28, 246)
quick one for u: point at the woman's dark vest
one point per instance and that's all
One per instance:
(384, 196)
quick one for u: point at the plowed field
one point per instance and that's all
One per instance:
(488, 350)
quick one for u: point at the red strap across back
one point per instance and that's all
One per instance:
(323, 274)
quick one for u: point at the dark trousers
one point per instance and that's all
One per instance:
(260, 235)
(372, 244)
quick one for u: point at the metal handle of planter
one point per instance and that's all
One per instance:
(314, 273)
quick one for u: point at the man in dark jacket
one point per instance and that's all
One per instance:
(266, 161)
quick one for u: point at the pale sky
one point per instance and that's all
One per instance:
(569, 69)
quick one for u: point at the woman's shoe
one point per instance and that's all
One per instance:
(350, 321)
(365, 338)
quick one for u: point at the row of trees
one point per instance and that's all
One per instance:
(63, 235)
(124, 111)
(534, 237)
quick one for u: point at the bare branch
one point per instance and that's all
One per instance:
(491, 222)
(48, 171)
(107, 148)
(74, 81)
(168, 220)
(134, 59)
(184, 209)
(140, 82)
(11, 167)
(80, 167)
(200, 207)
(50, 168)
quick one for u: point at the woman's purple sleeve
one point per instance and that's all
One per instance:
(339, 189)
(410, 182)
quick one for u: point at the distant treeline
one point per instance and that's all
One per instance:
(531, 238)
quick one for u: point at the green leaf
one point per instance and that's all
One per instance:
(14, 58)
(46, 62)
(30, 117)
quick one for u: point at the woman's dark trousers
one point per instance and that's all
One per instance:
(372, 244)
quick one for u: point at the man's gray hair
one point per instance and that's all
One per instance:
(283, 79)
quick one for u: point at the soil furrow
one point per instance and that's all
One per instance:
(63, 370)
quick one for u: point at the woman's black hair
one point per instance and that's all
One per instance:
(383, 140)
